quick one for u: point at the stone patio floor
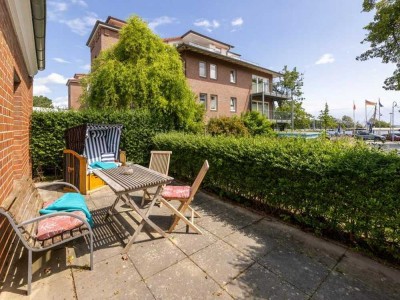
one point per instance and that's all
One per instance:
(241, 255)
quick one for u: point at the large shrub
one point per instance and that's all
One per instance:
(142, 71)
(342, 188)
(257, 124)
(48, 142)
(227, 126)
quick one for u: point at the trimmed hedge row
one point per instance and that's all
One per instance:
(48, 142)
(337, 188)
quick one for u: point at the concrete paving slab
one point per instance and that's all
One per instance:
(296, 267)
(219, 226)
(190, 243)
(183, 280)
(383, 278)
(221, 261)
(49, 269)
(341, 286)
(151, 257)
(254, 241)
(109, 278)
(259, 283)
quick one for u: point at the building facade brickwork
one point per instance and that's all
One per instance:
(227, 84)
(18, 64)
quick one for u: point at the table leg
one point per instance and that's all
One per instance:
(145, 219)
(109, 212)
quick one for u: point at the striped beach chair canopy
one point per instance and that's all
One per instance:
(97, 142)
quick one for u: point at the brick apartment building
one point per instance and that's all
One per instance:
(224, 82)
(22, 35)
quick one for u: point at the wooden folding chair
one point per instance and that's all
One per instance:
(185, 195)
(159, 161)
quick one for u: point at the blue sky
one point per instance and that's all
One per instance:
(320, 38)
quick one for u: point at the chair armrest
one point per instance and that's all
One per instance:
(42, 217)
(61, 183)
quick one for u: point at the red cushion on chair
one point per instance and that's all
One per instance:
(50, 227)
(176, 192)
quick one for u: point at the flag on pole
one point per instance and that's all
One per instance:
(354, 106)
(380, 104)
(369, 102)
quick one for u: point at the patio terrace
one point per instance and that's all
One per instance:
(241, 255)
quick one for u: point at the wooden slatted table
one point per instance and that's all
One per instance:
(122, 185)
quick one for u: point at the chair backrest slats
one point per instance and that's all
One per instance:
(200, 176)
(159, 161)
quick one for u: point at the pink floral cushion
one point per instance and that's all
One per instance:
(176, 192)
(50, 227)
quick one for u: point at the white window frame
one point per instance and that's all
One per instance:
(204, 74)
(205, 102)
(259, 104)
(234, 101)
(212, 97)
(232, 79)
(215, 71)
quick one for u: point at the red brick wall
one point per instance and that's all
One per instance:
(15, 112)
(222, 87)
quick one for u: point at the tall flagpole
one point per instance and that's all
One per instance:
(354, 118)
(366, 121)
(379, 116)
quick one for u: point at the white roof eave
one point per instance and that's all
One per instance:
(21, 17)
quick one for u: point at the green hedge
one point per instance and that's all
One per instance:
(47, 134)
(337, 188)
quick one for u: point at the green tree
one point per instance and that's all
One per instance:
(141, 71)
(42, 101)
(301, 118)
(347, 122)
(381, 124)
(326, 119)
(384, 37)
(291, 84)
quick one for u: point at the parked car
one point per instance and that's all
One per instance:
(393, 136)
(368, 136)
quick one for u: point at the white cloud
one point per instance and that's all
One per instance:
(327, 58)
(164, 20)
(53, 78)
(206, 24)
(60, 101)
(79, 2)
(61, 60)
(55, 9)
(86, 67)
(82, 25)
(237, 22)
(40, 89)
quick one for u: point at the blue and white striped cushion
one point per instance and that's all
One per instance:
(107, 157)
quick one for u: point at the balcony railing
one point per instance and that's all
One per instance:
(282, 116)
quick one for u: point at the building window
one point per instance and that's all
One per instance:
(260, 84)
(233, 104)
(232, 77)
(213, 102)
(203, 100)
(202, 69)
(258, 106)
(213, 71)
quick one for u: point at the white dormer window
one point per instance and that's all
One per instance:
(232, 76)
(213, 71)
(202, 69)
